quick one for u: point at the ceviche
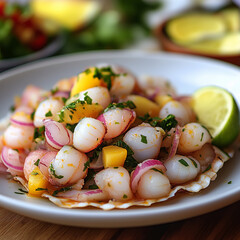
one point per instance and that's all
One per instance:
(103, 139)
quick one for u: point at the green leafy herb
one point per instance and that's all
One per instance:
(86, 165)
(194, 162)
(64, 100)
(37, 162)
(230, 182)
(39, 132)
(71, 127)
(54, 90)
(144, 139)
(40, 189)
(93, 186)
(91, 174)
(64, 189)
(32, 115)
(53, 171)
(157, 170)
(87, 99)
(116, 122)
(12, 108)
(48, 114)
(21, 191)
(201, 137)
(121, 105)
(183, 162)
(87, 71)
(124, 196)
(166, 124)
(115, 167)
(208, 168)
(34, 173)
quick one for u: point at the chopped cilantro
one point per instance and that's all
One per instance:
(64, 100)
(39, 132)
(32, 115)
(34, 173)
(115, 167)
(201, 137)
(183, 162)
(87, 99)
(12, 108)
(93, 186)
(64, 189)
(208, 168)
(52, 170)
(157, 170)
(54, 90)
(122, 105)
(166, 124)
(230, 182)
(40, 189)
(87, 71)
(194, 162)
(86, 165)
(116, 122)
(71, 127)
(124, 196)
(37, 162)
(48, 114)
(144, 139)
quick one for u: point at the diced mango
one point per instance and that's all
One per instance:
(144, 106)
(77, 110)
(161, 100)
(37, 183)
(84, 81)
(113, 156)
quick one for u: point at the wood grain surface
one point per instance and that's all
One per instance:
(221, 224)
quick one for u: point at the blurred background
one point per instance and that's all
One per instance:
(35, 29)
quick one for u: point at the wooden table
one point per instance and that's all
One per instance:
(221, 224)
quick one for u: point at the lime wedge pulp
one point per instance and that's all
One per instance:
(216, 109)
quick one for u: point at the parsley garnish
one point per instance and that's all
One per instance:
(64, 189)
(201, 137)
(183, 162)
(144, 139)
(194, 163)
(130, 163)
(53, 91)
(39, 132)
(166, 124)
(93, 186)
(21, 191)
(86, 165)
(37, 162)
(87, 99)
(230, 182)
(40, 189)
(125, 196)
(32, 115)
(208, 168)
(12, 108)
(34, 173)
(53, 171)
(157, 170)
(121, 105)
(71, 127)
(87, 71)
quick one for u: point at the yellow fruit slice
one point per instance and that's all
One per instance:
(37, 183)
(232, 18)
(73, 112)
(193, 27)
(113, 156)
(71, 14)
(217, 110)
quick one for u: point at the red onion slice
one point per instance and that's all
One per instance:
(21, 123)
(11, 159)
(142, 168)
(175, 142)
(62, 94)
(22, 117)
(57, 135)
(102, 119)
(45, 163)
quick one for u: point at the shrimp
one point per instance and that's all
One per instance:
(68, 167)
(116, 182)
(88, 134)
(117, 121)
(177, 109)
(47, 109)
(145, 141)
(98, 95)
(193, 137)
(181, 169)
(153, 184)
(18, 137)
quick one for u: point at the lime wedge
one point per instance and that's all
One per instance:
(194, 27)
(217, 110)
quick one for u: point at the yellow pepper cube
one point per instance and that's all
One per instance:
(77, 110)
(113, 156)
(144, 106)
(161, 100)
(37, 183)
(84, 81)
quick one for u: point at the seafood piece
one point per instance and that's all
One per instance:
(204, 156)
(116, 182)
(68, 167)
(88, 134)
(47, 109)
(144, 140)
(22, 117)
(18, 137)
(98, 95)
(181, 169)
(193, 137)
(177, 109)
(117, 121)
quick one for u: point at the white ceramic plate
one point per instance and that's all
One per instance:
(187, 73)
